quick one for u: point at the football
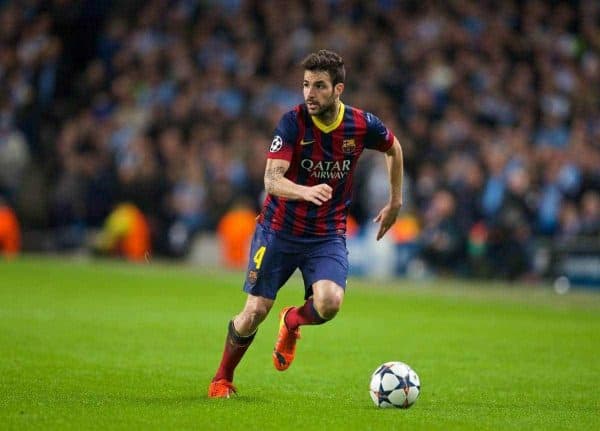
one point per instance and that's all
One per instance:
(394, 384)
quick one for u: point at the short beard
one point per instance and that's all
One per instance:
(327, 110)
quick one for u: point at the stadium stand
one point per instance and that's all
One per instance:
(169, 105)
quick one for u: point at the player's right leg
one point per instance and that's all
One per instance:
(240, 334)
(270, 265)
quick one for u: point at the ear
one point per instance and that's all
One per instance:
(339, 88)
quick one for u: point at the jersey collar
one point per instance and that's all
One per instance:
(326, 128)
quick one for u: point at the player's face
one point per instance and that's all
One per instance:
(319, 94)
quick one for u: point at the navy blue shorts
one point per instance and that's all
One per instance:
(274, 258)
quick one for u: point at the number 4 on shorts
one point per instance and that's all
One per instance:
(258, 256)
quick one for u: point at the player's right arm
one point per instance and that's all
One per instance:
(277, 184)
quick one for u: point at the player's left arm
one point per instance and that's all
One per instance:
(388, 214)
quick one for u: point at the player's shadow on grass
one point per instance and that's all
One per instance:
(194, 399)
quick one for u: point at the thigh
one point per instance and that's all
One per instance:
(270, 265)
(327, 260)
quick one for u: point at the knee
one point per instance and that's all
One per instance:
(328, 306)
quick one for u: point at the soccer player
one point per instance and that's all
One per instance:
(308, 180)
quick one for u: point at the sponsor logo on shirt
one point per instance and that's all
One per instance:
(328, 169)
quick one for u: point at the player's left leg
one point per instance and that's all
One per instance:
(327, 299)
(318, 309)
(325, 271)
(322, 306)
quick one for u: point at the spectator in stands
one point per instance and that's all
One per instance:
(442, 241)
(188, 210)
(14, 152)
(510, 229)
(84, 192)
(590, 214)
(570, 226)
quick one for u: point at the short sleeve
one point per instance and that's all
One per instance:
(378, 136)
(284, 137)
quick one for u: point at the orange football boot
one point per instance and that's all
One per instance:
(221, 389)
(285, 348)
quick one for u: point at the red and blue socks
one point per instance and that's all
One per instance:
(235, 347)
(304, 315)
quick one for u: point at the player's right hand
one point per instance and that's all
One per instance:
(318, 194)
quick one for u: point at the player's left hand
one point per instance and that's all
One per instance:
(386, 217)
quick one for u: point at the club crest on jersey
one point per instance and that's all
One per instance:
(252, 276)
(348, 146)
(276, 144)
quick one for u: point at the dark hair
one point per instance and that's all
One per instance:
(326, 61)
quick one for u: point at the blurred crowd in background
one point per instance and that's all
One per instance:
(169, 106)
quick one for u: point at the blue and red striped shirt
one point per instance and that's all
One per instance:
(320, 153)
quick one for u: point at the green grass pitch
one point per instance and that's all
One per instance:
(109, 345)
